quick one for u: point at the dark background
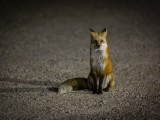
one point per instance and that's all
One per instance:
(44, 43)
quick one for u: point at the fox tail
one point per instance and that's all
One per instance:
(73, 84)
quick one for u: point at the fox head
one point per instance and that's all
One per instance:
(98, 39)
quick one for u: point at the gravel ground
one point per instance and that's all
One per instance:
(44, 43)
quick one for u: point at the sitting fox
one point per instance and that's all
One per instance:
(101, 76)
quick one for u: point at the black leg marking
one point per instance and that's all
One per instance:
(100, 85)
(94, 84)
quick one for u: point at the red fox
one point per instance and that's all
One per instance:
(101, 76)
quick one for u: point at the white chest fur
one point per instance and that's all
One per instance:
(97, 58)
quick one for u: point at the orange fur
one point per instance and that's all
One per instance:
(107, 63)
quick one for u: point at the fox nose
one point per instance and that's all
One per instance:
(98, 45)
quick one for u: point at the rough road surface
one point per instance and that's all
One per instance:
(44, 43)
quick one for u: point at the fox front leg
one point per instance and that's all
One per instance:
(100, 84)
(94, 88)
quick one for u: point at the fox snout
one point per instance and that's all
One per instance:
(98, 45)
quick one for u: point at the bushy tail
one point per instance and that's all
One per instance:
(73, 84)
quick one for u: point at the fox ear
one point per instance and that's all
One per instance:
(104, 32)
(91, 30)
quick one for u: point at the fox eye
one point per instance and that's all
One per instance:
(94, 41)
(101, 41)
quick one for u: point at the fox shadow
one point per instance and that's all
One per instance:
(37, 86)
